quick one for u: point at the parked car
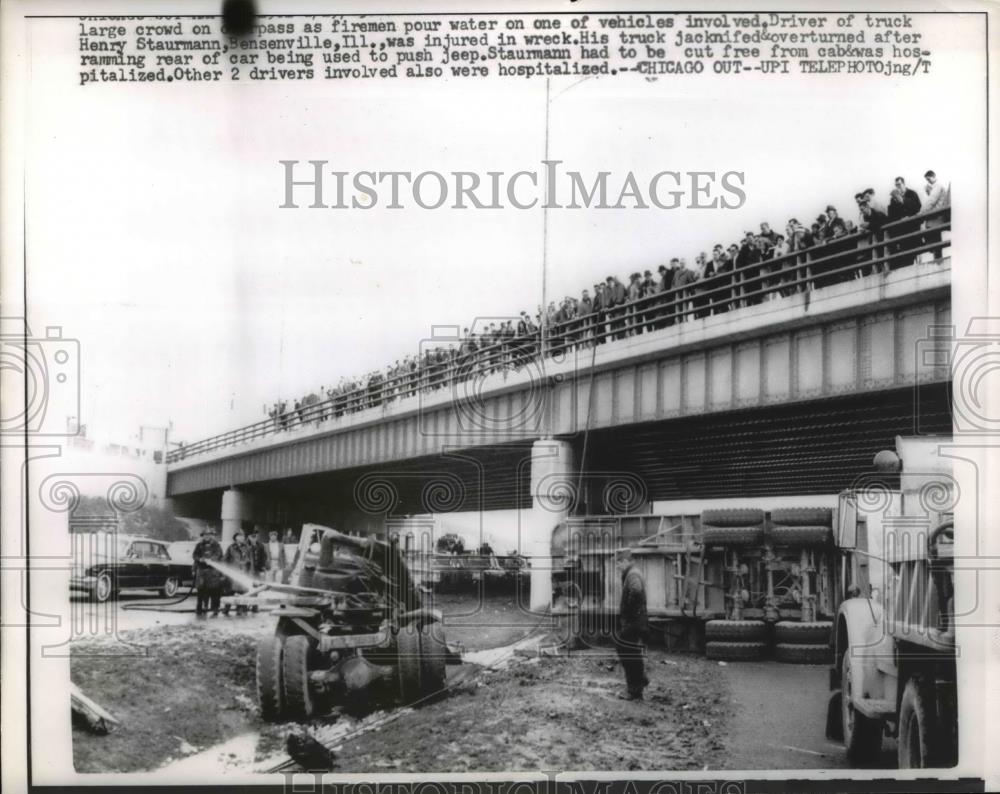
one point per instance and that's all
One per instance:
(107, 564)
(182, 551)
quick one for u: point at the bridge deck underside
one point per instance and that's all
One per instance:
(818, 446)
(868, 355)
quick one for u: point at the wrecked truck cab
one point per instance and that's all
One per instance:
(350, 616)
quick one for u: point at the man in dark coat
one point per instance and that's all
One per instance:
(632, 626)
(207, 580)
(239, 554)
(911, 199)
(258, 554)
(600, 312)
(872, 218)
(665, 306)
(903, 203)
(615, 297)
(684, 279)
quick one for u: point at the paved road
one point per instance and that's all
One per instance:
(144, 610)
(780, 718)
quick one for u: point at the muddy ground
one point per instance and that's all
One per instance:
(181, 684)
(555, 713)
(191, 690)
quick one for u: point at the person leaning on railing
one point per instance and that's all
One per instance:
(616, 298)
(737, 278)
(800, 240)
(747, 259)
(585, 311)
(647, 290)
(704, 271)
(903, 203)
(773, 267)
(600, 312)
(872, 221)
(668, 283)
(632, 293)
(937, 198)
(684, 281)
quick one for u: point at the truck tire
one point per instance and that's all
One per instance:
(801, 633)
(732, 517)
(433, 658)
(917, 746)
(801, 653)
(799, 536)
(862, 736)
(408, 663)
(799, 516)
(947, 714)
(735, 651)
(732, 536)
(295, 673)
(269, 687)
(748, 630)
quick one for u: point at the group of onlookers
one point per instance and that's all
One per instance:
(763, 266)
(252, 556)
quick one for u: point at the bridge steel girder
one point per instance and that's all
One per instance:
(695, 368)
(849, 356)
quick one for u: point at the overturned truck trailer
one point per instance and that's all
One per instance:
(740, 583)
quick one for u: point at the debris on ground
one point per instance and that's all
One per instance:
(97, 719)
(309, 754)
(187, 693)
(188, 681)
(549, 714)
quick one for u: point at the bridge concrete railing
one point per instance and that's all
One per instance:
(868, 267)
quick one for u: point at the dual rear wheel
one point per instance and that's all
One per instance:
(421, 660)
(283, 667)
(285, 662)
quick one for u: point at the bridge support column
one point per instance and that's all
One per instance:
(552, 483)
(235, 509)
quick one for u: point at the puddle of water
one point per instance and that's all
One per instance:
(233, 755)
(497, 658)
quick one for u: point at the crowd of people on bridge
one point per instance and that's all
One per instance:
(763, 266)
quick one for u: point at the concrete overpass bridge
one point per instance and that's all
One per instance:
(783, 380)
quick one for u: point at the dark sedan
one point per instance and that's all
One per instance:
(108, 564)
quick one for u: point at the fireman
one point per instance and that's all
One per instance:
(208, 580)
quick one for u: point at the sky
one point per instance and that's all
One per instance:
(155, 235)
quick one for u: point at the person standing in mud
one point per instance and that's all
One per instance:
(632, 625)
(207, 580)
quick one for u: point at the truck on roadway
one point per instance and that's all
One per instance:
(893, 670)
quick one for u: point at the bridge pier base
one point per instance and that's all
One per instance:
(235, 509)
(552, 484)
